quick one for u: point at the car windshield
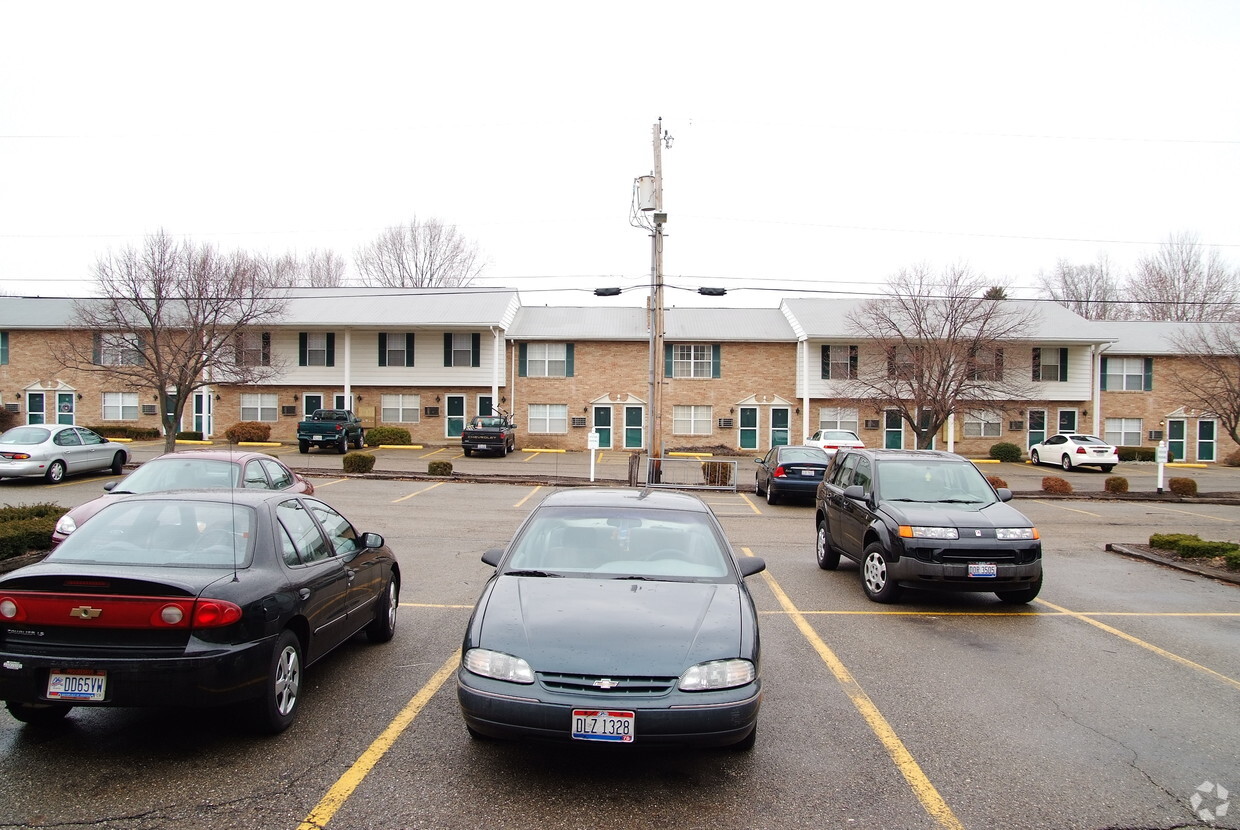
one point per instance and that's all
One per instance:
(790, 455)
(25, 435)
(183, 534)
(619, 543)
(172, 473)
(933, 482)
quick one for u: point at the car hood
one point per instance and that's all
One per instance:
(612, 627)
(996, 514)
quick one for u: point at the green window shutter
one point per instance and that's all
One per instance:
(568, 360)
(667, 360)
(331, 349)
(475, 349)
(301, 348)
(382, 348)
(266, 348)
(1037, 364)
(1063, 364)
(447, 348)
(522, 357)
(1102, 370)
(852, 362)
(409, 343)
(825, 361)
(716, 352)
(4, 347)
(1149, 374)
(96, 348)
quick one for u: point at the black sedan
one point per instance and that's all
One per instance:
(615, 616)
(790, 471)
(191, 599)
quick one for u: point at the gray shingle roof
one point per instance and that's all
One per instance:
(445, 307)
(1146, 337)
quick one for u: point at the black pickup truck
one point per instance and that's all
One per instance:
(335, 428)
(489, 433)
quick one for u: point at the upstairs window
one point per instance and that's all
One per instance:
(254, 348)
(1128, 374)
(986, 364)
(839, 362)
(545, 360)
(692, 360)
(1050, 364)
(118, 350)
(316, 348)
(395, 348)
(462, 349)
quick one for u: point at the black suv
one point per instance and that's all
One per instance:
(924, 519)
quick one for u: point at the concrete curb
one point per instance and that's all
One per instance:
(1179, 564)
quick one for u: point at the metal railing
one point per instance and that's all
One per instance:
(690, 473)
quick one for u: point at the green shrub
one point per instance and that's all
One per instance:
(1171, 541)
(28, 528)
(439, 468)
(248, 431)
(717, 473)
(1204, 549)
(122, 431)
(1182, 486)
(1232, 560)
(358, 462)
(189, 435)
(7, 419)
(1232, 459)
(387, 435)
(1056, 485)
(996, 482)
(1115, 484)
(1006, 451)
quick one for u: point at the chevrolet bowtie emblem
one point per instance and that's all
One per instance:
(85, 612)
(606, 683)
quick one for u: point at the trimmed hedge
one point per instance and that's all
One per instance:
(1056, 485)
(1170, 541)
(1006, 451)
(439, 468)
(1115, 484)
(1182, 486)
(188, 435)
(1205, 549)
(248, 431)
(358, 462)
(387, 435)
(996, 482)
(132, 433)
(27, 528)
(1232, 558)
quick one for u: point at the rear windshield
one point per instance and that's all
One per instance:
(182, 534)
(1087, 439)
(172, 473)
(25, 435)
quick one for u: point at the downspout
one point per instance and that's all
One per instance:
(348, 369)
(1096, 392)
(803, 346)
(497, 358)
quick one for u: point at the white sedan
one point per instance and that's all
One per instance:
(1070, 450)
(834, 439)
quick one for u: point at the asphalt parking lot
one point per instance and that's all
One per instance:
(1108, 702)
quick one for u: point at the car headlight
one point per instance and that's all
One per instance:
(717, 674)
(1011, 533)
(66, 525)
(916, 532)
(497, 665)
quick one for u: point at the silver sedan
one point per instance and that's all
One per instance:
(52, 451)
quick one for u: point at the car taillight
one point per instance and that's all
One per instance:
(1081, 451)
(16, 456)
(779, 472)
(831, 447)
(213, 613)
(339, 427)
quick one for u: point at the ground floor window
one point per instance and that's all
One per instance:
(120, 406)
(839, 417)
(401, 409)
(1123, 432)
(256, 406)
(547, 418)
(691, 420)
(983, 425)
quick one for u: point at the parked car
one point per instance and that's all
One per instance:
(834, 439)
(52, 451)
(790, 471)
(489, 433)
(192, 599)
(1070, 449)
(191, 470)
(332, 428)
(925, 519)
(615, 616)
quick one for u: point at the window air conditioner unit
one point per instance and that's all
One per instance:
(1156, 434)
(288, 410)
(871, 424)
(1016, 425)
(12, 407)
(725, 423)
(150, 409)
(579, 422)
(431, 411)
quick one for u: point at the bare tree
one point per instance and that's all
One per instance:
(319, 269)
(942, 344)
(1211, 380)
(426, 254)
(173, 317)
(1183, 281)
(1089, 290)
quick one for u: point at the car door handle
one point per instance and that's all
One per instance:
(304, 593)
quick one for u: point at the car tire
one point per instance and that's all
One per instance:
(503, 450)
(275, 709)
(118, 463)
(55, 472)
(757, 487)
(468, 452)
(876, 575)
(303, 447)
(828, 557)
(1033, 456)
(771, 497)
(359, 442)
(1066, 463)
(38, 714)
(1106, 468)
(1022, 596)
(383, 627)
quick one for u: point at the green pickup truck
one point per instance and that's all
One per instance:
(334, 428)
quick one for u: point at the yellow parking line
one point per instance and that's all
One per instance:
(330, 483)
(347, 783)
(1194, 515)
(419, 492)
(929, 797)
(1161, 652)
(528, 496)
(1069, 509)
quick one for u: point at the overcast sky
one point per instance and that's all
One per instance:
(817, 145)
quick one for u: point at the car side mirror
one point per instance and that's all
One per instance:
(492, 557)
(372, 540)
(1004, 493)
(109, 485)
(757, 461)
(750, 565)
(854, 491)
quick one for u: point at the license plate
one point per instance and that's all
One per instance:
(316, 437)
(77, 685)
(983, 569)
(809, 473)
(602, 725)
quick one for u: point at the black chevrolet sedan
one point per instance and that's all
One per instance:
(790, 471)
(192, 599)
(615, 616)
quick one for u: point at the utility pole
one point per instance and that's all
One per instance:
(657, 374)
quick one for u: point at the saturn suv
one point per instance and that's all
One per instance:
(924, 519)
